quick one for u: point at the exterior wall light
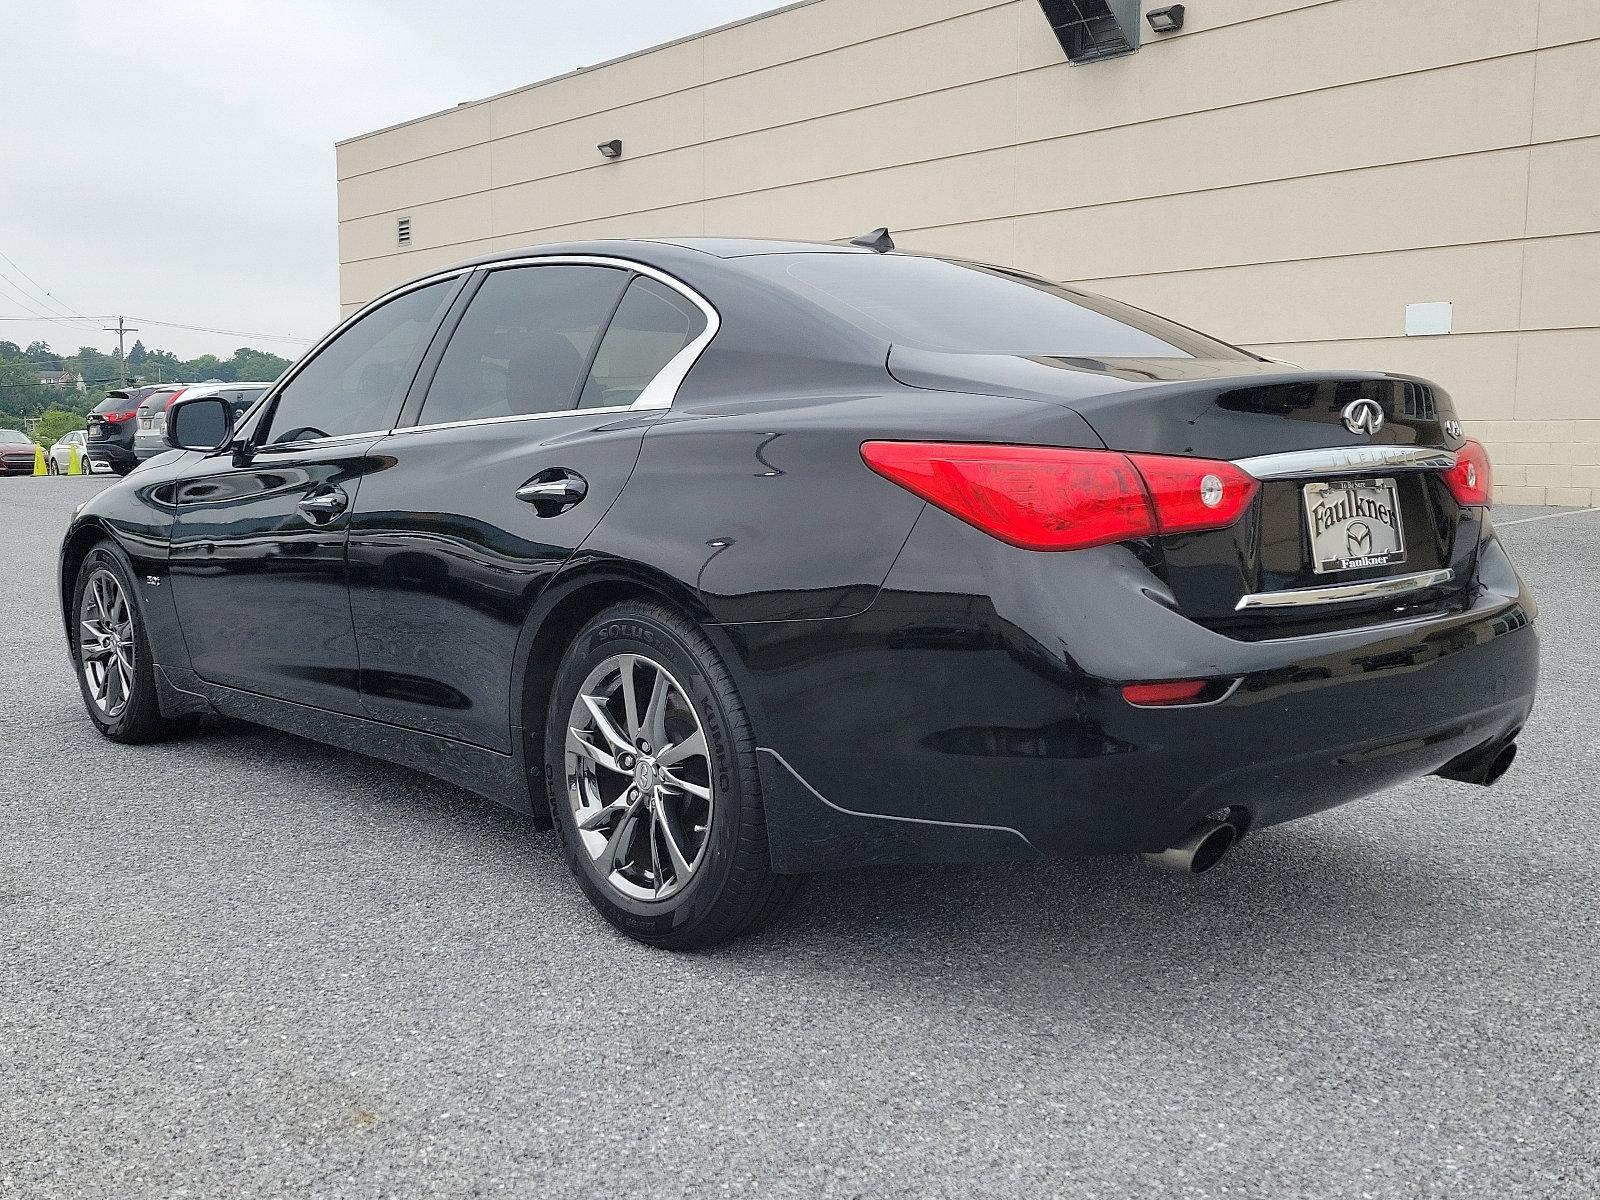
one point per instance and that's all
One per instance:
(611, 149)
(1166, 20)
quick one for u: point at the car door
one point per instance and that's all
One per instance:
(528, 430)
(258, 542)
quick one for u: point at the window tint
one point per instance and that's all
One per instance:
(360, 379)
(965, 308)
(523, 343)
(652, 324)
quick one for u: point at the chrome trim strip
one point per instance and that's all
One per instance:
(659, 393)
(1346, 460)
(1343, 593)
(402, 430)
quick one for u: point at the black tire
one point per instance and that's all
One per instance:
(733, 889)
(139, 719)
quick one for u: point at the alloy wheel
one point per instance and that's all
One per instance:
(106, 643)
(639, 777)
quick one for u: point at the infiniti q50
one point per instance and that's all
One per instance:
(738, 560)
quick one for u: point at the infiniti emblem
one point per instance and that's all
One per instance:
(1363, 416)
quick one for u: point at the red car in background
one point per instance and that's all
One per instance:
(16, 452)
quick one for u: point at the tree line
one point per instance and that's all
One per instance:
(61, 409)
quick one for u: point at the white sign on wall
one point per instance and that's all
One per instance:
(1429, 320)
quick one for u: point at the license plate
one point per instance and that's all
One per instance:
(1354, 524)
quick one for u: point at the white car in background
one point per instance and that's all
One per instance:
(59, 456)
(150, 438)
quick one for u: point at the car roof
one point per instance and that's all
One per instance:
(663, 252)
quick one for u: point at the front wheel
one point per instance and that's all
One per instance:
(650, 767)
(112, 653)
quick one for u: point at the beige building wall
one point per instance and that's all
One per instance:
(1285, 174)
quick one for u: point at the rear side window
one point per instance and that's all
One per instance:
(652, 324)
(935, 304)
(523, 344)
(358, 381)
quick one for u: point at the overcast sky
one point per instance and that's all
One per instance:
(174, 160)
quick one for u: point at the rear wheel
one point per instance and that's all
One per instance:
(115, 671)
(650, 766)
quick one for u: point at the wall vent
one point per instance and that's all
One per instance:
(402, 231)
(1089, 30)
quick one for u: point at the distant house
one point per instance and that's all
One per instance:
(61, 379)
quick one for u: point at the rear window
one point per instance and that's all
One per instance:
(966, 308)
(113, 403)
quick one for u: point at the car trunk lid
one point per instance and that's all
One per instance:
(1353, 520)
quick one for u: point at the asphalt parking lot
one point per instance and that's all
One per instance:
(249, 965)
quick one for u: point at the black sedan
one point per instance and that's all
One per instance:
(737, 560)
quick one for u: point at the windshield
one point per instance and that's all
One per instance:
(936, 304)
(11, 437)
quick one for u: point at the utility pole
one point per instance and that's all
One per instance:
(120, 330)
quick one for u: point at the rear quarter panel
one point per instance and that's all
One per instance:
(769, 513)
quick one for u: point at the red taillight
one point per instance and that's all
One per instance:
(111, 418)
(1051, 498)
(173, 397)
(1178, 691)
(1471, 481)
(1194, 493)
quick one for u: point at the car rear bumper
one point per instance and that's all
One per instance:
(114, 455)
(989, 722)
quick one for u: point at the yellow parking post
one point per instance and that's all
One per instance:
(38, 460)
(74, 463)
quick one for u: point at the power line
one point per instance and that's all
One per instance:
(264, 337)
(43, 291)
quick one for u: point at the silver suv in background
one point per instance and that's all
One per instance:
(150, 438)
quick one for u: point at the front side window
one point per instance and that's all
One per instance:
(652, 324)
(523, 344)
(359, 380)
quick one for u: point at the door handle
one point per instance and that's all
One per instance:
(324, 507)
(554, 491)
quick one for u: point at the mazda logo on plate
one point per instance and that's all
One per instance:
(1363, 416)
(1358, 538)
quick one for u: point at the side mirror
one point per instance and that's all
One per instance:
(203, 423)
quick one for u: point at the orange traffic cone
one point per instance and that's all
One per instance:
(74, 463)
(38, 460)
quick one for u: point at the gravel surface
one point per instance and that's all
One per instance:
(247, 965)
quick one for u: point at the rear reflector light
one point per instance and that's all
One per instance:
(111, 418)
(1471, 481)
(1178, 691)
(1051, 498)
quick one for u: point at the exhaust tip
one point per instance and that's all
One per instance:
(1500, 763)
(1483, 765)
(1202, 848)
